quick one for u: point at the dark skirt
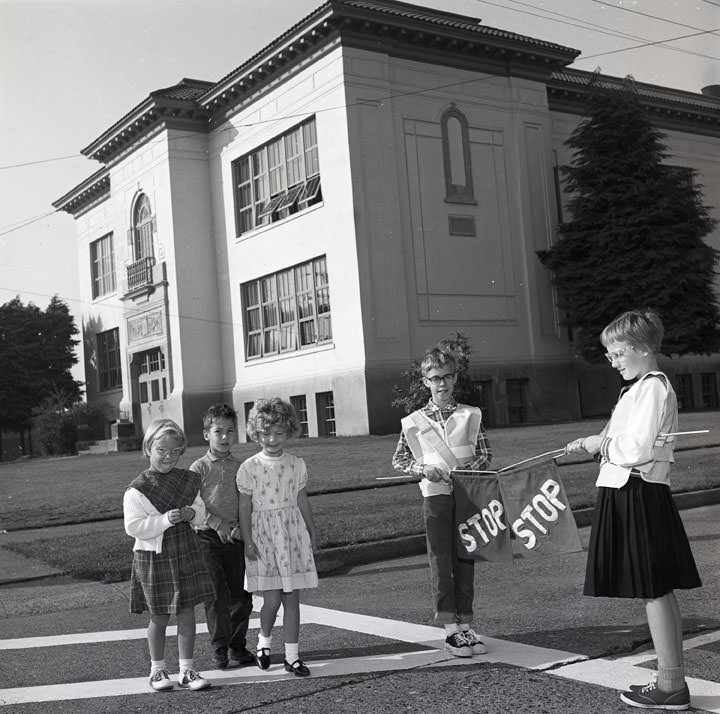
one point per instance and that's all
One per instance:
(165, 583)
(638, 545)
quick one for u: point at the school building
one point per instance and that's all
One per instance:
(377, 178)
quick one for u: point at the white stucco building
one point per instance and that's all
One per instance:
(378, 177)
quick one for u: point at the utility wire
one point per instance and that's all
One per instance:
(645, 14)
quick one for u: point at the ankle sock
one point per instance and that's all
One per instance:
(450, 629)
(292, 652)
(156, 665)
(185, 665)
(670, 679)
(264, 642)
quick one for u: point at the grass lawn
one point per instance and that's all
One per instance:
(45, 492)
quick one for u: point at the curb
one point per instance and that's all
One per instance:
(335, 560)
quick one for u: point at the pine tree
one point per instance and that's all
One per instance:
(635, 238)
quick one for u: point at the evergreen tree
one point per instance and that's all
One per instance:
(635, 238)
(36, 356)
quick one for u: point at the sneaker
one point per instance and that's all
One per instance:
(298, 668)
(263, 658)
(240, 658)
(160, 680)
(639, 687)
(220, 657)
(457, 645)
(192, 680)
(476, 644)
(650, 697)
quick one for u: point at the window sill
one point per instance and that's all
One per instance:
(324, 347)
(262, 229)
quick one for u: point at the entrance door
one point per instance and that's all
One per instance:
(152, 385)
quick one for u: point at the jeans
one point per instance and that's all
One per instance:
(228, 615)
(452, 578)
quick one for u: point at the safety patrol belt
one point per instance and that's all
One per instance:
(434, 439)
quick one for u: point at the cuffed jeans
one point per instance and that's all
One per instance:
(452, 578)
(228, 615)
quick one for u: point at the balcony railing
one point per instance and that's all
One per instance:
(140, 274)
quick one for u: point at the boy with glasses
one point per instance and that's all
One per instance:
(436, 439)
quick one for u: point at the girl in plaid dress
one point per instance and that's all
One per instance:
(277, 527)
(168, 574)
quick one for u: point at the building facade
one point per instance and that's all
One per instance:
(379, 177)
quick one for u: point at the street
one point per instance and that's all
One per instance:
(369, 640)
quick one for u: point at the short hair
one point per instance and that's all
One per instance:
(272, 412)
(640, 328)
(162, 427)
(435, 359)
(219, 411)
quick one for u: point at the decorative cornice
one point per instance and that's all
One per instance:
(89, 193)
(174, 107)
(394, 28)
(667, 108)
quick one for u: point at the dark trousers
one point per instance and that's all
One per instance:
(227, 616)
(452, 578)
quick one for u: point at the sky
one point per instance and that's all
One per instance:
(69, 69)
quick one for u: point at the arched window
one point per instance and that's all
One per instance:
(142, 230)
(456, 157)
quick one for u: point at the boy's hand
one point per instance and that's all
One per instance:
(587, 445)
(224, 532)
(235, 533)
(435, 474)
(251, 550)
(187, 513)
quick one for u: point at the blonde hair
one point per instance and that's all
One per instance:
(272, 412)
(437, 358)
(162, 427)
(639, 328)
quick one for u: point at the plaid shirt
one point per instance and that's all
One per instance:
(403, 459)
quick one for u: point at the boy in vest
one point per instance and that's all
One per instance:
(436, 439)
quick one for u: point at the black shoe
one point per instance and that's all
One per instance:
(263, 658)
(220, 657)
(241, 658)
(298, 668)
(650, 697)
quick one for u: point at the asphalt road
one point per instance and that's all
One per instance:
(369, 640)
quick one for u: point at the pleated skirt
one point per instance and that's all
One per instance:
(638, 545)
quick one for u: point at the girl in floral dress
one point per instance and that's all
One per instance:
(277, 527)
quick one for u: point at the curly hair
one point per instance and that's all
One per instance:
(162, 427)
(437, 358)
(272, 412)
(219, 411)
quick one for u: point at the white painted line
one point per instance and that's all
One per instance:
(690, 643)
(619, 674)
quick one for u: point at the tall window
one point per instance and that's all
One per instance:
(517, 400)
(684, 391)
(325, 405)
(300, 405)
(108, 360)
(152, 380)
(456, 157)
(287, 311)
(278, 179)
(102, 266)
(142, 230)
(708, 382)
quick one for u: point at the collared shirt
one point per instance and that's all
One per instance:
(403, 459)
(218, 489)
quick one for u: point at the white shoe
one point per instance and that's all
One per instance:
(160, 680)
(192, 680)
(476, 644)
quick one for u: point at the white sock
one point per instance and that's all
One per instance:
(464, 627)
(450, 629)
(264, 642)
(185, 665)
(156, 665)
(292, 652)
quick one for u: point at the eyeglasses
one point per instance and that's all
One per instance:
(437, 381)
(612, 356)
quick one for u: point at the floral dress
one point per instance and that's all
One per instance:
(285, 559)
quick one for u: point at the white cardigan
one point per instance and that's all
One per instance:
(147, 525)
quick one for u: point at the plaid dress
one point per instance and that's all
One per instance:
(167, 582)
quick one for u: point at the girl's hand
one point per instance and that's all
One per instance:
(251, 550)
(576, 447)
(586, 445)
(175, 516)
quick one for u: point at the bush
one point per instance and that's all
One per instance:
(56, 424)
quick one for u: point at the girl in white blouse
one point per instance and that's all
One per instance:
(638, 545)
